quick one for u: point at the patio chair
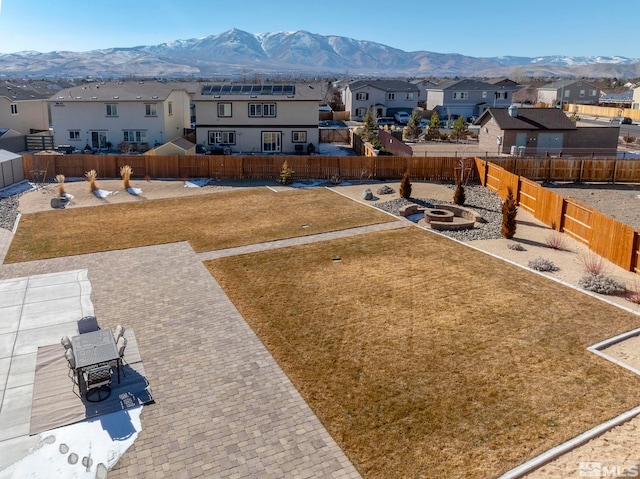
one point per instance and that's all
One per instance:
(121, 345)
(88, 324)
(98, 381)
(66, 342)
(119, 332)
(72, 374)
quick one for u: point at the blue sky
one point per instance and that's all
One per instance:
(475, 28)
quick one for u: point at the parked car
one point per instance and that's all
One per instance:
(385, 121)
(424, 123)
(402, 117)
(621, 120)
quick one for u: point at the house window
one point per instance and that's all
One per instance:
(299, 136)
(460, 95)
(257, 110)
(592, 93)
(170, 108)
(362, 96)
(361, 111)
(222, 137)
(150, 109)
(567, 93)
(74, 135)
(484, 94)
(391, 96)
(409, 96)
(14, 109)
(224, 109)
(271, 141)
(582, 93)
(112, 109)
(135, 136)
(501, 95)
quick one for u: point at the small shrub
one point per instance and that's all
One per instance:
(629, 139)
(286, 174)
(601, 283)
(592, 263)
(60, 181)
(405, 186)
(556, 240)
(125, 173)
(91, 176)
(335, 180)
(459, 196)
(516, 247)
(509, 212)
(542, 264)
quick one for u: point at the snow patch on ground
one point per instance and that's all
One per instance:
(103, 193)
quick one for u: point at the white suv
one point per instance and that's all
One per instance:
(402, 117)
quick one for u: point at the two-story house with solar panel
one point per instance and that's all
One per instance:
(262, 119)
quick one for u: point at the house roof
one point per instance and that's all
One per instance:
(469, 84)
(118, 90)
(239, 91)
(183, 143)
(21, 90)
(384, 85)
(528, 119)
(557, 85)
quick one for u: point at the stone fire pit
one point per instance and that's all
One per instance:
(438, 215)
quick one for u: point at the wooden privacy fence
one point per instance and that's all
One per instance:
(573, 169)
(241, 167)
(605, 236)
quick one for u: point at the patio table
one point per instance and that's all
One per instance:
(94, 349)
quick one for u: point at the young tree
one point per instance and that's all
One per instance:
(433, 131)
(405, 186)
(411, 131)
(509, 211)
(459, 196)
(460, 130)
(369, 129)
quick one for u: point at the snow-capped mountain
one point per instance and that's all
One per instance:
(236, 52)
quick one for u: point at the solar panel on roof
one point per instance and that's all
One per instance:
(249, 90)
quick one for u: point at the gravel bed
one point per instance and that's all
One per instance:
(482, 200)
(8, 212)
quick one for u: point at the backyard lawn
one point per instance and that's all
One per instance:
(424, 358)
(207, 222)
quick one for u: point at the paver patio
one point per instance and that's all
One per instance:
(223, 406)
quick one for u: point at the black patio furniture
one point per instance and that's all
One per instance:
(88, 324)
(98, 381)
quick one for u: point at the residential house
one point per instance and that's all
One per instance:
(542, 132)
(635, 102)
(569, 91)
(423, 86)
(121, 115)
(253, 118)
(23, 107)
(468, 97)
(384, 97)
(177, 147)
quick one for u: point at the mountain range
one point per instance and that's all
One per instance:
(239, 53)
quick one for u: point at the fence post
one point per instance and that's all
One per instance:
(581, 170)
(615, 169)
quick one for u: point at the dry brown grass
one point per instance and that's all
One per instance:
(208, 222)
(427, 359)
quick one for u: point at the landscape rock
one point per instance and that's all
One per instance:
(367, 194)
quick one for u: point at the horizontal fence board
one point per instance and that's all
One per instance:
(611, 239)
(528, 196)
(577, 221)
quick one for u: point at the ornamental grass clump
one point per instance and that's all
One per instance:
(60, 181)
(601, 283)
(543, 264)
(91, 177)
(125, 172)
(592, 263)
(633, 293)
(556, 240)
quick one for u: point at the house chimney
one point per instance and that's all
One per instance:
(513, 111)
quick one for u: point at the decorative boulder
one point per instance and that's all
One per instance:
(367, 194)
(386, 190)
